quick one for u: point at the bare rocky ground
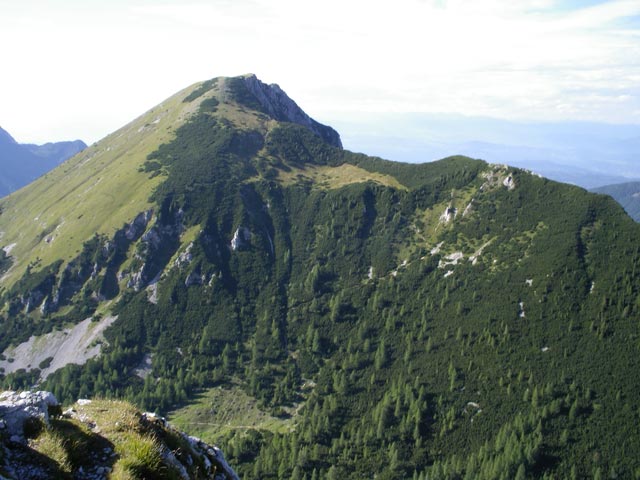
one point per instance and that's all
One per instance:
(58, 348)
(97, 440)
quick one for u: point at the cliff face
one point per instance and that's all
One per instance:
(278, 105)
(97, 440)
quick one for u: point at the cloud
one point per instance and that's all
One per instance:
(601, 15)
(538, 59)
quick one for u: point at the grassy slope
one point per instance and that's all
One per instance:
(102, 188)
(96, 191)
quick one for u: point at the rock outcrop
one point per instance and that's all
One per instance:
(215, 464)
(17, 410)
(134, 229)
(33, 445)
(241, 238)
(279, 106)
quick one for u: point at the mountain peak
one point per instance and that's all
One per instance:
(277, 104)
(5, 137)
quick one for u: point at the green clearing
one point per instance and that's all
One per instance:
(218, 411)
(327, 177)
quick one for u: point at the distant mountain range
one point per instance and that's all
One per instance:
(20, 164)
(626, 194)
(587, 154)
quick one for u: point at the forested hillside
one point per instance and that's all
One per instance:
(446, 320)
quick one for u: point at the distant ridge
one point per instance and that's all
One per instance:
(20, 164)
(626, 194)
(56, 152)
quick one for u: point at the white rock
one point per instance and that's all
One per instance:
(185, 257)
(71, 345)
(451, 259)
(135, 228)
(468, 209)
(509, 183)
(436, 249)
(8, 248)
(240, 238)
(448, 215)
(15, 409)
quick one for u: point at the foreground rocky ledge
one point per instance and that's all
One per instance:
(97, 439)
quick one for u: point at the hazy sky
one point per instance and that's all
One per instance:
(82, 68)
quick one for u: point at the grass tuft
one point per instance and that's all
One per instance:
(55, 446)
(140, 456)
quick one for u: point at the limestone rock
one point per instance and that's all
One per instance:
(241, 238)
(17, 408)
(278, 104)
(509, 183)
(448, 215)
(135, 228)
(185, 257)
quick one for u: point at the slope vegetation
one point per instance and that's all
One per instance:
(446, 320)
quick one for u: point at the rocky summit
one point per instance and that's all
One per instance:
(97, 440)
(222, 260)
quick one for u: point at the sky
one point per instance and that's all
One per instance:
(83, 68)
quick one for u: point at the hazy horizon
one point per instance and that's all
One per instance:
(412, 81)
(81, 70)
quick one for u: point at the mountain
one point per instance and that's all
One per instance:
(57, 152)
(18, 164)
(23, 163)
(626, 194)
(325, 314)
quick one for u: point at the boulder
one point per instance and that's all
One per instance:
(18, 409)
